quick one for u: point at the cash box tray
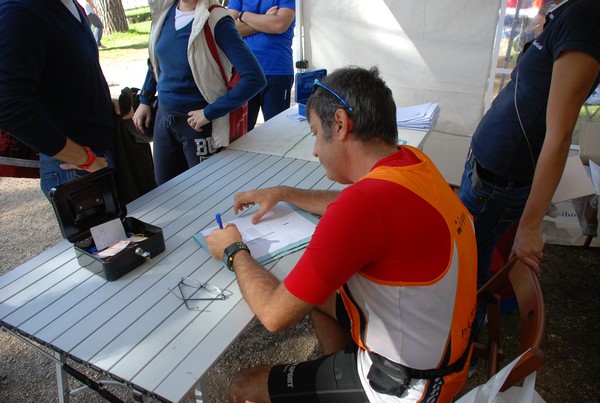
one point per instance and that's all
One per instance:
(92, 200)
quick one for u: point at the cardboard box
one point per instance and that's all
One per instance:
(90, 201)
(304, 85)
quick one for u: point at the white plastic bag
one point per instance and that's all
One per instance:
(490, 391)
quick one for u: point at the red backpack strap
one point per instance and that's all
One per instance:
(212, 45)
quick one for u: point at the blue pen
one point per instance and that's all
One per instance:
(218, 217)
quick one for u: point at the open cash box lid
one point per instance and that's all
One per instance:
(87, 202)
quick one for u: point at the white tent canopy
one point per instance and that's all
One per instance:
(426, 50)
(436, 51)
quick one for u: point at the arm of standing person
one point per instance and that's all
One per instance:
(92, 6)
(143, 114)
(573, 75)
(313, 201)
(252, 78)
(274, 21)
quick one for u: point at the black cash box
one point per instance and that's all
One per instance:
(92, 200)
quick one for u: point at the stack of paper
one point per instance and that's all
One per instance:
(418, 117)
(281, 231)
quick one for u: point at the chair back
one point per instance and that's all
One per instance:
(532, 320)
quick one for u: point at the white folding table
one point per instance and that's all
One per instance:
(135, 330)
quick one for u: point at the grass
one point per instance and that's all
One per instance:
(120, 44)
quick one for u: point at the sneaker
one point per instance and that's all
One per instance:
(101, 46)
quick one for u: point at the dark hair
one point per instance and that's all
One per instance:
(373, 108)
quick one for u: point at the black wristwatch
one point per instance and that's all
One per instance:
(230, 252)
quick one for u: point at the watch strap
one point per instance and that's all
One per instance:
(231, 251)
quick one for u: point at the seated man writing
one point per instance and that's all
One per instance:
(389, 275)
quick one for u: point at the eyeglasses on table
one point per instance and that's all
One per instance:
(192, 290)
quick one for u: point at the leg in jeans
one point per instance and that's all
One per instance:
(276, 95)
(495, 209)
(52, 175)
(98, 27)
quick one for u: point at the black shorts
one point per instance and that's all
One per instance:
(333, 378)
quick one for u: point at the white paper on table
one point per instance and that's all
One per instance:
(282, 228)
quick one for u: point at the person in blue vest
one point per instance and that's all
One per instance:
(268, 29)
(192, 121)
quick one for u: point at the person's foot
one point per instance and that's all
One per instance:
(101, 46)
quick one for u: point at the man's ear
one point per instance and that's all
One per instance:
(343, 124)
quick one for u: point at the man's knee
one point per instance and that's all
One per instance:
(251, 384)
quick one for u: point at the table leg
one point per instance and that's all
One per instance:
(201, 390)
(62, 380)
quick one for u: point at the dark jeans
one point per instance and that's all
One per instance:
(495, 209)
(178, 147)
(98, 26)
(273, 99)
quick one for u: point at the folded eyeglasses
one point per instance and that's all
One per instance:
(191, 290)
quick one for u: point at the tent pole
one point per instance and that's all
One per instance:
(301, 63)
(494, 64)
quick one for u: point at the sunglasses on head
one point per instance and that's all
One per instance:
(317, 83)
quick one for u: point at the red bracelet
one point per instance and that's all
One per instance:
(90, 161)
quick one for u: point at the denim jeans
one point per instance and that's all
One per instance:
(52, 175)
(495, 209)
(98, 27)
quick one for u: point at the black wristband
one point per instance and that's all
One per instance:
(230, 252)
(240, 16)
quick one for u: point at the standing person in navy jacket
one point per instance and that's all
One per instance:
(53, 94)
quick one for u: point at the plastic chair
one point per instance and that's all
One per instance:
(532, 321)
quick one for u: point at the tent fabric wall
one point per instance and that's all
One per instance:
(427, 50)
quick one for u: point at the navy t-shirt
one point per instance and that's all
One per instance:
(499, 143)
